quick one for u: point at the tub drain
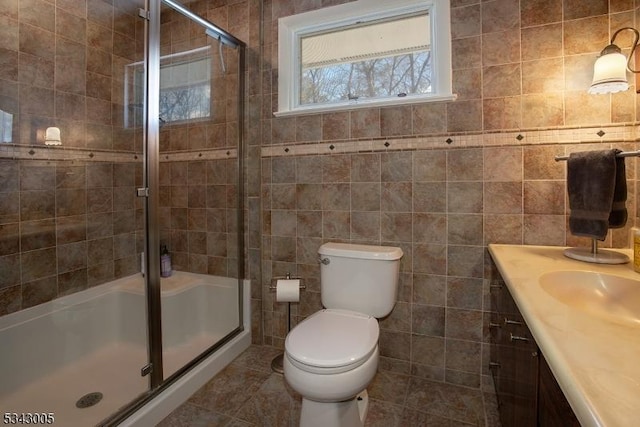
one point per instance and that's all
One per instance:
(89, 400)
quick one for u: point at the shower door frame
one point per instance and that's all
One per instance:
(152, 173)
(150, 192)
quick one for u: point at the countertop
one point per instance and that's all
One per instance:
(596, 362)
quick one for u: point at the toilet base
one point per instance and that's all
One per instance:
(349, 413)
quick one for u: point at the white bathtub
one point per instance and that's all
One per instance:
(95, 341)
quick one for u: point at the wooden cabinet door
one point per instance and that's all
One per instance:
(528, 393)
(514, 361)
(553, 408)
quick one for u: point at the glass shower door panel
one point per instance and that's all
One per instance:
(198, 187)
(72, 299)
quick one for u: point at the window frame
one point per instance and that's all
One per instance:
(292, 28)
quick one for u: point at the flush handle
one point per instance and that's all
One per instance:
(324, 261)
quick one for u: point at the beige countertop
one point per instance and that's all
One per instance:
(595, 361)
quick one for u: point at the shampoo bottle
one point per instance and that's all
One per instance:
(165, 262)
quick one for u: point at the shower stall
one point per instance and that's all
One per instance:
(121, 126)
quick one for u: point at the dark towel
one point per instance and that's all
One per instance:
(618, 215)
(593, 179)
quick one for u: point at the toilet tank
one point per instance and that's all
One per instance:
(360, 278)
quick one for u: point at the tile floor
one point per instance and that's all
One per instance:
(248, 393)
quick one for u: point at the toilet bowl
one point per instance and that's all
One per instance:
(330, 359)
(332, 355)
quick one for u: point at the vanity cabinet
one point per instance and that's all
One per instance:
(528, 394)
(514, 361)
(553, 408)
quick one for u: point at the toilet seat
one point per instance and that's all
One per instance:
(332, 341)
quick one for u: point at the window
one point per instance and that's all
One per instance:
(364, 54)
(185, 87)
(6, 126)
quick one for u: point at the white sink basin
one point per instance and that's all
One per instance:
(614, 298)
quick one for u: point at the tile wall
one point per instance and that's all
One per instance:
(65, 63)
(68, 216)
(198, 169)
(520, 69)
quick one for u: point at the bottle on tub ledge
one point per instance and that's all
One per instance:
(165, 262)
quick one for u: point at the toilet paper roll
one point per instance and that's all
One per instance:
(288, 290)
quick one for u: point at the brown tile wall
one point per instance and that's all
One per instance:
(199, 198)
(70, 224)
(198, 215)
(63, 64)
(66, 226)
(517, 65)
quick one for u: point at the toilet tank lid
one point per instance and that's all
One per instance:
(350, 250)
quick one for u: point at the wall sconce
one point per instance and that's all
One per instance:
(52, 136)
(610, 69)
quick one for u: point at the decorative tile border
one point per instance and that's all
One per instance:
(32, 152)
(188, 156)
(44, 153)
(551, 136)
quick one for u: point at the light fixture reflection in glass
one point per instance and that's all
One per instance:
(610, 69)
(52, 136)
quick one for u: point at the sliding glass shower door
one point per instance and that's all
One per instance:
(199, 145)
(72, 301)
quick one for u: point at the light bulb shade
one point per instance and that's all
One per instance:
(52, 136)
(609, 74)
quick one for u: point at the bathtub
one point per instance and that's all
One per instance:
(90, 346)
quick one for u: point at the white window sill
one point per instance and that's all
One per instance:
(355, 105)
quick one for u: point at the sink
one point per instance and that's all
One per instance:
(614, 298)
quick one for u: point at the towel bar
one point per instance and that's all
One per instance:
(594, 255)
(622, 154)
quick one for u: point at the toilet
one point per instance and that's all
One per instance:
(331, 357)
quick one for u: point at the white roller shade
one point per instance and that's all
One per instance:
(185, 69)
(380, 39)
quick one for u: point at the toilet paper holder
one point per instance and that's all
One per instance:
(278, 361)
(274, 280)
